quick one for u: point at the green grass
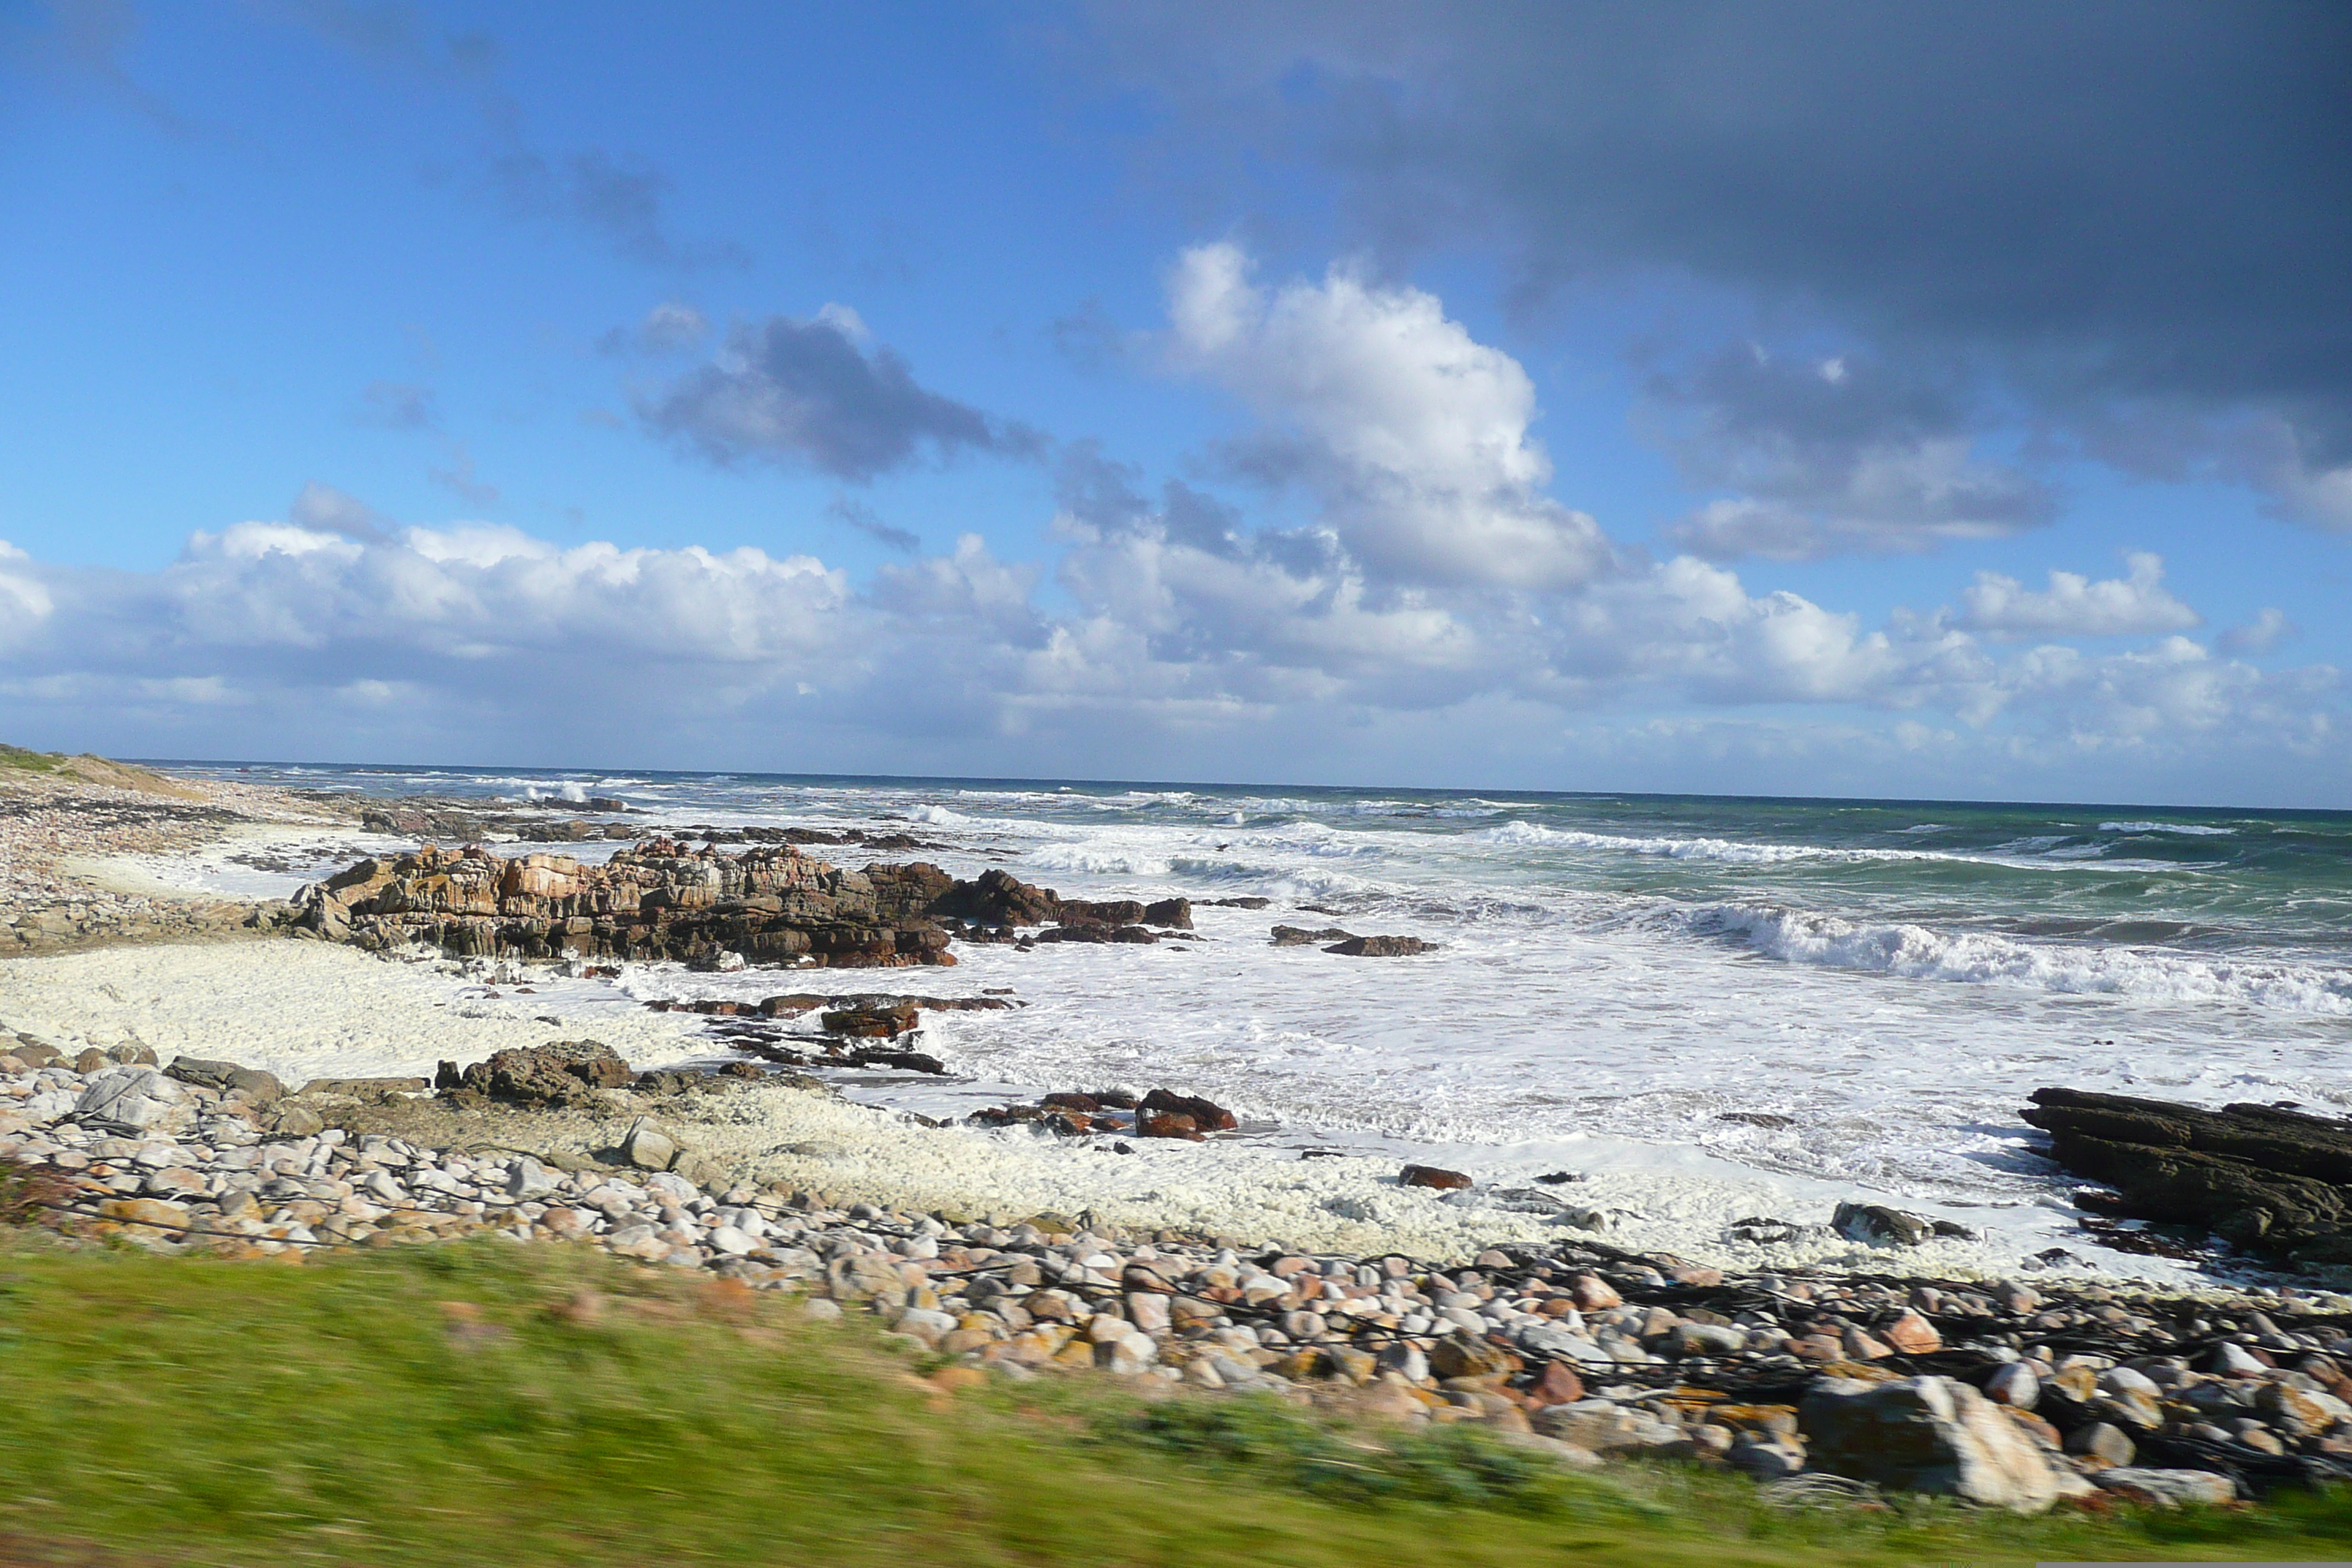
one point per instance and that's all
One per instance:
(457, 1404)
(30, 761)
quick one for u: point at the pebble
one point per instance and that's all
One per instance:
(1583, 1350)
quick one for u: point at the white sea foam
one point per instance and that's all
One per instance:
(2194, 830)
(1726, 850)
(1917, 952)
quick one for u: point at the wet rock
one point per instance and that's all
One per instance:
(1880, 1226)
(870, 1022)
(1381, 947)
(1301, 936)
(1175, 914)
(1926, 1434)
(1432, 1176)
(1206, 1115)
(2273, 1181)
(998, 897)
(1167, 1124)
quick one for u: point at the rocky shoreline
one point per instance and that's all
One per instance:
(1998, 1392)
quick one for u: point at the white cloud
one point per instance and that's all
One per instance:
(1176, 651)
(1416, 433)
(2135, 605)
(2269, 627)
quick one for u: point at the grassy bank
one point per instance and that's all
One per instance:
(492, 1404)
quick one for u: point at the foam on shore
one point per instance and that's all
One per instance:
(307, 1010)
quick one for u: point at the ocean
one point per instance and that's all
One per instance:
(1841, 992)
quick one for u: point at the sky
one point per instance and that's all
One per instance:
(1932, 401)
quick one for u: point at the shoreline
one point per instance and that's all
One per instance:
(1675, 1198)
(1645, 1317)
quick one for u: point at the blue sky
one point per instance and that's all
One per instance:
(1549, 399)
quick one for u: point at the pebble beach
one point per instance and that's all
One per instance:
(230, 1082)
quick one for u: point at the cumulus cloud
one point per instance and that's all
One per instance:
(2269, 627)
(1415, 432)
(811, 392)
(1161, 639)
(2098, 251)
(2073, 606)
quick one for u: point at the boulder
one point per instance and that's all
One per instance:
(563, 1072)
(260, 1088)
(1880, 1226)
(2167, 1489)
(870, 1022)
(1928, 1435)
(647, 1147)
(1301, 936)
(1381, 947)
(2275, 1182)
(1174, 914)
(1167, 1124)
(1206, 1115)
(1432, 1176)
(127, 1096)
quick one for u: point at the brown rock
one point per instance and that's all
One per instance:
(1556, 1386)
(1432, 1176)
(1461, 1356)
(564, 1073)
(1591, 1293)
(1206, 1116)
(1912, 1335)
(1167, 1124)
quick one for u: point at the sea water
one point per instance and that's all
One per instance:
(1857, 993)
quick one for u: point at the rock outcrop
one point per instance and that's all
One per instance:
(656, 900)
(2269, 1180)
(563, 1072)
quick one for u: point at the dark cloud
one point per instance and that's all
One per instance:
(620, 202)
(850, 512)
(1087, 339)
(2141, 207)
(808, 392)
(1102, 494)
(396, 406)
(1831, 453)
